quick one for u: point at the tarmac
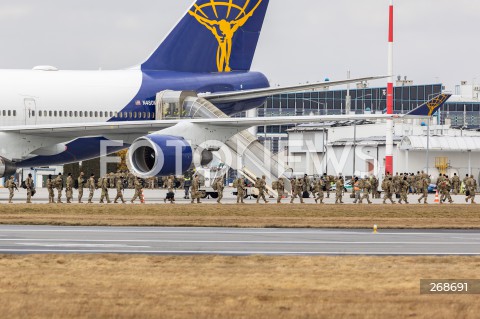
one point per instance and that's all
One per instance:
(234, 241)
(157, 196)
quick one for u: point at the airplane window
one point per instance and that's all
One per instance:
(14, 113)
(40, 113)
(33, 113)
(130, 115)
(55, 113)
(91, 114)
(153, 115)
(76, 114)
(116, 114)
(125, 114)
(101, 114)
(134, 115)
(96, 114)
(65, 113)
(144, 115)
(71, 114)
(45, 113)
(50, 113)
(148, 115)
(111, 114)
(59, 113)
(9, 113)
(4, 113)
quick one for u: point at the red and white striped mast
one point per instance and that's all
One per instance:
(389, 136)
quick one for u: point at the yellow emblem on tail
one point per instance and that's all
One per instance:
(223, 28)
(435, 103)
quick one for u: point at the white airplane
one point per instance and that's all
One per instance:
(54, 117)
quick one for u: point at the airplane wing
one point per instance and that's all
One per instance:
(229, 97)
(140, 128)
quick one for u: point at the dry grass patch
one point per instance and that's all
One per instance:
(330, 216)
(72, 286)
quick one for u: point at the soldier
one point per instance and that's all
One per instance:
(319, 186)
(260, 185)
(456, 184)
(69, 188)
(196, 190)
(12, 186)
(404, 186)
(423, 188)
(220, 187)
(298, 190)
(81, 185)
(307, 187)
(444, 189)
(50, 188)
(29, 185)
(59, 187)
(186, 185)
(280, 188)
(293, 181)
(389, 189)
(131, 180)
(471, 189)
(366, 187)
(104, 184)
(111, 180)
(339, 184)
(328, 183)
(170, 188)
(138, 190)
(239, 184)
(91, 187)
(119, 186)
(374, 183)
(357, 185)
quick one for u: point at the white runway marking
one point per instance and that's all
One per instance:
(81, 245)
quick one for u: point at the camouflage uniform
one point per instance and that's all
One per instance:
(119, 187)
(298, 191)
(456, 184)
(444, 188)
(195, 190)
(366, 187)
(280, 190)
(59, 186)
(319, 191)
(425, 182)
(91, 188)
(170, 189)
(260, 185)
(29, 184)
(104, 185)
(404, 186)
(51, 193)
(471, 186)
(11, 189)
(138, 190)
(81, 185)
(389, 189)
(339, 191)
(69, 189)
(220, 186)
(240, 185)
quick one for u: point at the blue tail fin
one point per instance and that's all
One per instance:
(213, 36)
(430, 107)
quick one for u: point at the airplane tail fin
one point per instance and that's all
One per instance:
(213, 36)
(430, 107)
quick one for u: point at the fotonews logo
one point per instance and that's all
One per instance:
(223, 19)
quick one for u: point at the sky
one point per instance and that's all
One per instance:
(302, 40)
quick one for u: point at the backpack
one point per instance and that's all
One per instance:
(100, 182)
(275, 185)
(214, 186)
(24, 185)
(75, 184)
(235, 183)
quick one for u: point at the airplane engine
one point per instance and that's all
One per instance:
(7, 168)
(159, 155)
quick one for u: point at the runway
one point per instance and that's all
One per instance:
(234, 241)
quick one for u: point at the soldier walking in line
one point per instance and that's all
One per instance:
(91, 187)
(279, 186)
(320, 185)
(59, 187)
(260, 185)
(404, 186)
(307, 187)
(29, 186)
(81, 185)
(69, 188)
(339, 184)
(389, 189)
(444, 189)
(374, 183)
(119, 186)
(12, 186)
(328, 183)
(220, 187)
(357, 186)
(298, 191)
(104, 185)
(195, 192)
(239, 184)
(456, 184)
(366, 187)
(138, 190)
(471, 189)
(423, 188)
